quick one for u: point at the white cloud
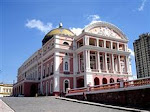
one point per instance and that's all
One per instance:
(92, 18)
(142, 5)
(131, 51)
(37, 24)
(77, 31)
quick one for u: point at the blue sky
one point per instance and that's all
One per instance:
(24, 23)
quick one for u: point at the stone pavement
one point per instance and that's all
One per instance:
(51, 104)
(4, 107)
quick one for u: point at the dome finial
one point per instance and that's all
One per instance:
(60, 25)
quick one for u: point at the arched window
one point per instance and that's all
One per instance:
(111, 80)
(66, 66)
(66, 54)
(66, 85)
(66, 43)
(104, 81)
(96, 81)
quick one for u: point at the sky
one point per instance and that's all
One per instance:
(23, 25)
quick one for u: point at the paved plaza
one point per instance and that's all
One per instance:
(50, 104)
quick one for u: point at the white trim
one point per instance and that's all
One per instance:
(56, 63)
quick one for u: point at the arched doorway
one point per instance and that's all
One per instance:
(96, 81)
(33, 90)
(66, 85)
(111, 80)
(80, 83)
(104, 81)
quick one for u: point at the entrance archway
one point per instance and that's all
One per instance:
(104, 81)
(96, 81)
(66, 85)
(33, 90)
(80, 83)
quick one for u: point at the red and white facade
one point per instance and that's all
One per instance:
(99, 55)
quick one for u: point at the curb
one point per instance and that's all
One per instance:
(7, 106)
(101, 105)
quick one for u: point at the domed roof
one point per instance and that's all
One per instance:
(60, 31)
(57, 31)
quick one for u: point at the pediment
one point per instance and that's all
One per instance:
(105, 29)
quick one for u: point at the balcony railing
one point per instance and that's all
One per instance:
(122, 84)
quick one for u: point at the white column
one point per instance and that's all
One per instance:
(104, 43)
(119, 64)
(97, 41)
(98, 61)
(85, 60)
(127, 63)
(74, 82)
(117, 45)
(106, 68)
(112, 57)
(56, 83)
(86, 40)
(75, 63)
(56, 63)
(111, 44)
(79, 62)
(56, 71)
(88, 59)
(57, 41)
(88, 79)
(125, 47)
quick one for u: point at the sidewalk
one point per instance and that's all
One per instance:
(4, 107)
(102, 105)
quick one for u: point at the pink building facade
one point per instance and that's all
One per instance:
(99, 55)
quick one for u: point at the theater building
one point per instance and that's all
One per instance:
(99, 55)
